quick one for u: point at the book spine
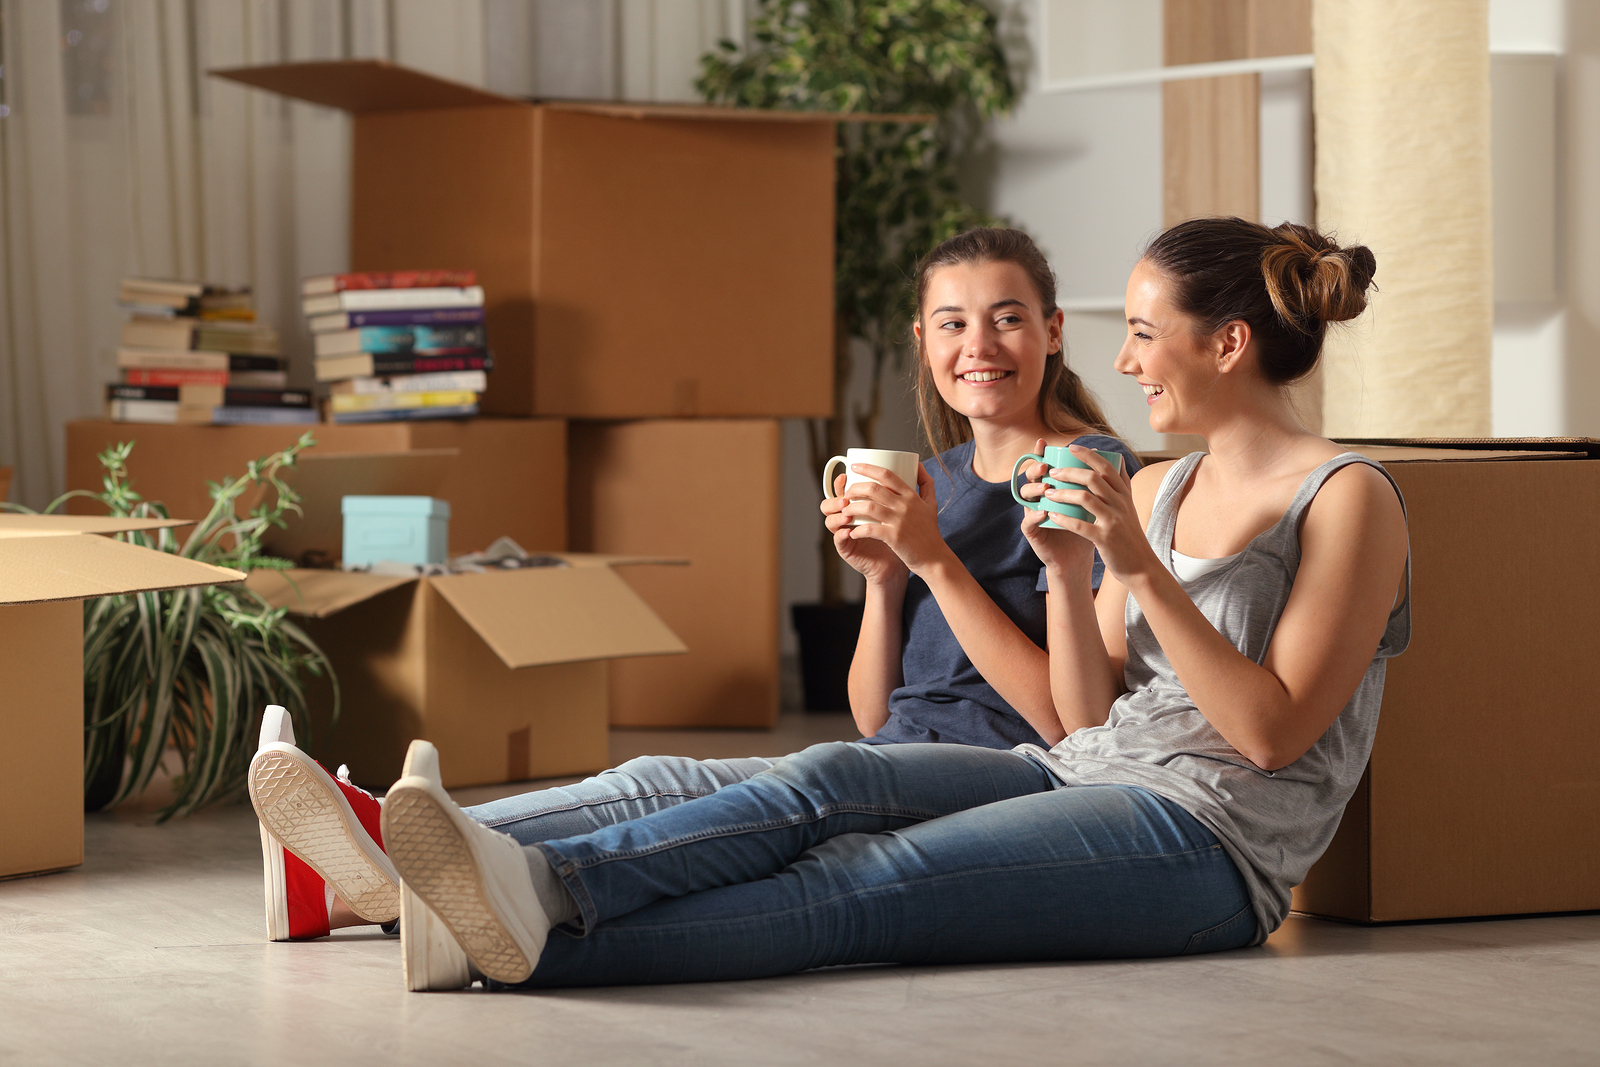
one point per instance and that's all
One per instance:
(471, 381)
(355, 320)
(345, 402)
(389, 299)
(172, 358)
(142, 392)
(393, 340)
(265, 398)
(369, 366)
(405, 279)
(245, 361)
(173, 376)
(262, 416)
(397, 414)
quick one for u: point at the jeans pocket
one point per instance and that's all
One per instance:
(1234, 932)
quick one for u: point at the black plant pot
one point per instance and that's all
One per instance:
(98, 791)
(827, 634)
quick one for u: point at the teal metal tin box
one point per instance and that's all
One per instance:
(401, 529)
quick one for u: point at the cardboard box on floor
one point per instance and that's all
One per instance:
(508, 478)
(663, 487)
(506, 672)
(1483, 794)
(590, 224)
(48, 565)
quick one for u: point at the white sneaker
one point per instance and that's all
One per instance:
(326, 822)
(472, 878)
(430, 958)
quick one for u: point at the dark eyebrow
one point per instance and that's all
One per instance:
(1006, 303)
(1135, 320)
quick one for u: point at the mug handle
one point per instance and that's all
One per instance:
(1014, 467)
(827, 476)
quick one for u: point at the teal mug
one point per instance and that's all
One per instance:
(1059, 456)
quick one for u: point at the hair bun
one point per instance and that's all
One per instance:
(1312, 281)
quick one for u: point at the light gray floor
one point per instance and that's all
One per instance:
(153, 952)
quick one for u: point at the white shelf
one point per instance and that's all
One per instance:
(1181, 72)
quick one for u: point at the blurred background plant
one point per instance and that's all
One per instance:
(898, 190)
(191, 668)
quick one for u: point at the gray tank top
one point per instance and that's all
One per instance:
(1273, 824)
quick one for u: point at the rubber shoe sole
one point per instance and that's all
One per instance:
(430, 959)
(300, 807)
(473, 879)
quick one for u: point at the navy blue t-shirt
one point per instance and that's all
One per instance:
(943, 697)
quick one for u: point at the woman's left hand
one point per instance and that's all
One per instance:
(1107, 494)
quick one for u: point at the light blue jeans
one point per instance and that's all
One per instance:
(849, 853)
(629, 791)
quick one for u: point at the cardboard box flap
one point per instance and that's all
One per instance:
(38, 569)
(606, 559)
(320, 593)
(625, 110)
(17, 524)
(557, 615)
(362, 86)
(1588, 446)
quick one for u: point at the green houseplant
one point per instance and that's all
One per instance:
(897, 191)
(190, 668)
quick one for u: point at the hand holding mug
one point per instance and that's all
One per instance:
(888, 504)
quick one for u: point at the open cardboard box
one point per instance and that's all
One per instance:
(48, 564)
(571, 210)
(505, 671)
(1483, 793)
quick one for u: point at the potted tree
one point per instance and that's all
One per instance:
(190, 668)
(897, 195)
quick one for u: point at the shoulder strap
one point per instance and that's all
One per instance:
(1164, 512)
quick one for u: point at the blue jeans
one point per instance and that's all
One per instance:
(634, 789)
(848, 854)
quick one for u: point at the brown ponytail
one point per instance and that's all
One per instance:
(1287, 282)
(1065, 402)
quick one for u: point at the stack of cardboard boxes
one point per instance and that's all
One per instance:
(659, 287)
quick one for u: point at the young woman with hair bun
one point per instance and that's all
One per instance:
(1218, 697)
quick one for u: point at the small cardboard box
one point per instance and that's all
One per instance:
(592, 226)
(48, 564)
(508, 477)
(505, 671)
(1483, 793)
(710, 491)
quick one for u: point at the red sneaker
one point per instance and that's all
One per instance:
(331, 830)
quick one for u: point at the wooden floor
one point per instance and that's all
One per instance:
(152, 953)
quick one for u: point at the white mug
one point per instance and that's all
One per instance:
(904, 465)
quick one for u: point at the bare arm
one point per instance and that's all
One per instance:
(1353, 551)
(875, 670)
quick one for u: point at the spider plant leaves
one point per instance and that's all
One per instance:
(190, 670)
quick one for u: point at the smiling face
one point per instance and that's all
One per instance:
(986, 339)
(1164, 350)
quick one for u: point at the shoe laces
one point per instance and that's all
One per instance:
(343, 774)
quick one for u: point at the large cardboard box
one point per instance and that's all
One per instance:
(707, 490)
(638, 260)
(506, 672)
(508, 478)
(48, 564)
(1483, 794)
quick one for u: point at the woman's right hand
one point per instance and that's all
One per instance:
(872, 559)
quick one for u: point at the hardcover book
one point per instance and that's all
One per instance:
(390, 299)
(342, 403)
(385, 340)
(351, 320)
(395, 414)
(469, 381)
(388, 279)
(367, 365)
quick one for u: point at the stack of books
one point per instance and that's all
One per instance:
(194, 353)
(399, 344)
